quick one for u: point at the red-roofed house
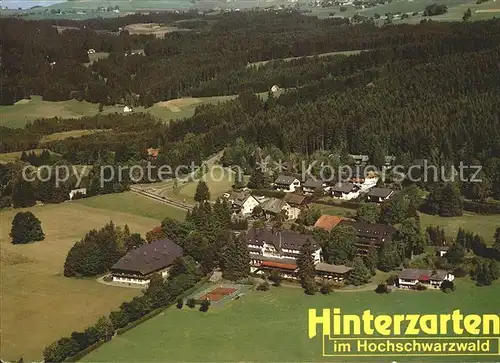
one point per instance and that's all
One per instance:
(328, 222)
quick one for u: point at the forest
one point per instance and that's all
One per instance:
(427, 91)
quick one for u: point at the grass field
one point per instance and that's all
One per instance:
(272, 326)
(158, 30)
(16, 155)
(483, 225)
(132, 204)
(18, 115)
(39, 305)
(67, 134)
(329, 54)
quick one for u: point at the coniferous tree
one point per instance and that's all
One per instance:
(156, 292)
(496, 240)
(455, 254)
(23, 194)
(305, 263)
(26, 228)
(388, 257)
(359, 274)
(237, 261)
(371, 259)
(133, 241)
(202, 192)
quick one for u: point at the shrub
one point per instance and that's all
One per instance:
(205, 305)
(392, 280)
(382, 289)
(191, 303)
(263, 286)
(310, 288)
(420, 287)
(180, 303)
(447, 286)
(326, 288)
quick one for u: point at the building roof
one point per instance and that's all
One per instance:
(313, 183)
(239, 198)
(363, 158)
(279, 239)
(149, 258)
(285, 179)
(380, 192)
(343, 187)
(422, 274)
(336, 269)
(328, 222)
(296, 199)
(273, 205)
(371, 231)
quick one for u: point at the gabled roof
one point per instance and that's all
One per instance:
(239, 198)
(294, 199)
(336, 269)
(149, 258)
(285, 179)
(422, 274)
(328, 222)
(380, 192)
(273, 205)
(279, 239)
(343, 187)
(313, 184)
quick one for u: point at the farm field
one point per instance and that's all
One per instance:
(67, 134)
(484, 225)
(18, 115)
(36, 297)
(280, 318)
(157, 30)
(16, 155)
(329, 54)
(132, 204)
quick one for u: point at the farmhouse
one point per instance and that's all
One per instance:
(327, 222)
(286, 183)
(370, 234)
(345, 191)
(332, 272)
(273, 206)
(312, 186)
(379, 194)
(127, 109)
(410, 278)
(75, 192)
(242, 203)
(139, 265)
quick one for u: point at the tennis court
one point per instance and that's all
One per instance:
(217, 293)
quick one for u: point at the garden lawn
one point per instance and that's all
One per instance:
(272, 326)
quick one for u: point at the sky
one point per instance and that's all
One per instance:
(26, 4)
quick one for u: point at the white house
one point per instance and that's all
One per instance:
(286, 183)
(243, 203)
(127, 109)
(345, 191)
(91, 51)
(278, 250)
(275, 88)
(139, 265)
(410, 278)
(312, 186)
(379, 194)
(73, 192)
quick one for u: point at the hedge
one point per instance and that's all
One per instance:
(482, 207)
(155, 312)
(343, 204)
(84, 352)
